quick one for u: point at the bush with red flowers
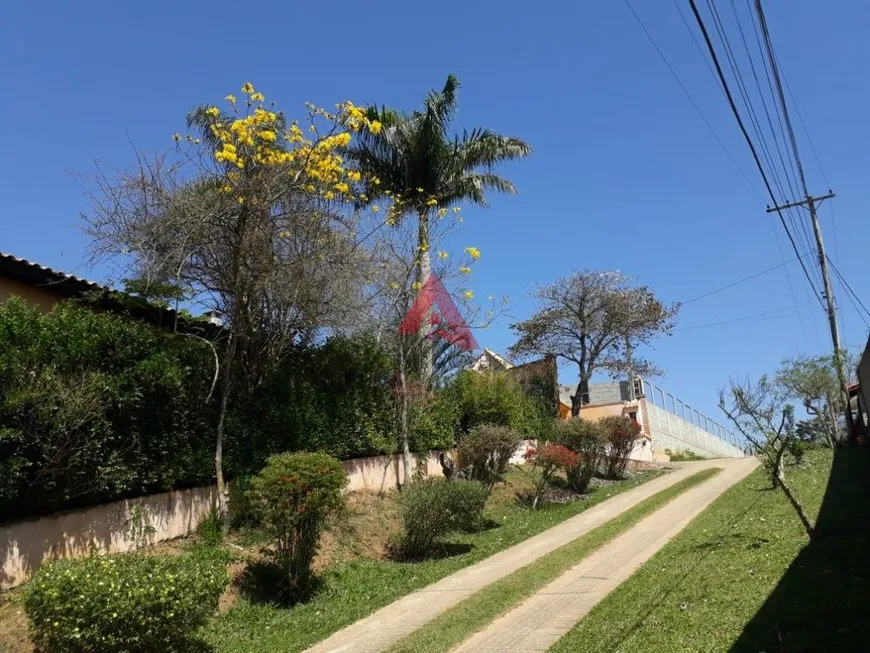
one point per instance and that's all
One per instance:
(293, 497)
(549, 459)
(619, 436)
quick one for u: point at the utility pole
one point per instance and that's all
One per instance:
(810, 204)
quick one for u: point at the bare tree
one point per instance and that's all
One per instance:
(252, 220)
(762, 415)
(596, 320)
(394, 287)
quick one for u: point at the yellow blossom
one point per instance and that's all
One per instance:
(442, 212)
(258, 97)
(443, 255)
(376, 208)
(417, 285)
(267, 135)
(248, 88)
(214, 112)
(465, 269)
(431, 202)
(473, 252)
(468, 294)
(419, 190)
(241, 199)
(226, 188)
(230, 98)
(354, 175)
(456, 209)
(394, 285)
(375, 127)
(342, 187)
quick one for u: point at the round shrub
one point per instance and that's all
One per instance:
(435, 507)
(486, 452)
(293, 497)
(585, 438)
(125, 602)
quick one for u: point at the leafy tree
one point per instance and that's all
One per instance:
(595, 320)
(813, 381)
(415, 161)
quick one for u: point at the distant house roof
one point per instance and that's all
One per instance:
(69, 286)
(489, 360)
(34, 274)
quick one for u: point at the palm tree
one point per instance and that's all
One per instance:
(414, 156)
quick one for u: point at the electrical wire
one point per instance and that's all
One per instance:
(738, 282)
(853, 296)
(766, 315)
(749, 142)
(689, 96)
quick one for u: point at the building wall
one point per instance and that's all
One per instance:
(41, 297)
(864, 378)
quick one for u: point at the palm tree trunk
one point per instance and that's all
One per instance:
(403, 419)
(424, 269)
(226, 388)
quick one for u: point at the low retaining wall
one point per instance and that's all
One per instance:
(25, 544)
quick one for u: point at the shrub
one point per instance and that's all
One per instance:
(434, 508)
(499, 399)
(293, 497)
(125, 602)
(584, 437)
(486, 452)
(241, 511)
(797, 449)
(619, 436)
(210, 530)
(549, 459)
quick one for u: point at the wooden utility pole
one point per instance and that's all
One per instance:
(810, 204)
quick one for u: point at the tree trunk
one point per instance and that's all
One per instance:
(424, 269)
(403, 418)
(577, 399)
(226, 387)
(795, 503)
(832, 418)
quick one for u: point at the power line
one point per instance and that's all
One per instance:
(736, 113)
(688, 95)
(766, 315)
(738, 282)
(853, 296)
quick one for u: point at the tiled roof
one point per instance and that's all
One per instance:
(40, 275)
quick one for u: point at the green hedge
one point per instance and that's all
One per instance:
(94, 407)
(126, 602)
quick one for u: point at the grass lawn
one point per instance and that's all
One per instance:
(475, 612)
(356, 588)
(743, 576)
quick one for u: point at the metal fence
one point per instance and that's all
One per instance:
(679, 427)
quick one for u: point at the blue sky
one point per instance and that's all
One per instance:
(625, 175)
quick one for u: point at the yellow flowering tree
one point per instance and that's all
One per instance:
(413, 160)
(253, 217)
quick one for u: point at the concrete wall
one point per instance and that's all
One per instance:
(864, 379)
(25, 544)
(669, 431)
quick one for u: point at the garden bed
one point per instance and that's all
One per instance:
(354, 564)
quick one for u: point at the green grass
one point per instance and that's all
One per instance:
(475, 612)
(353, 590)
(743, 576)
(684, 456)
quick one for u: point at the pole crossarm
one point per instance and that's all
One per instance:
(802, 203)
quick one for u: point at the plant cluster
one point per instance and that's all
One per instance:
(125, 602)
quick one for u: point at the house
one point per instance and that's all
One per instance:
(490, 361)
(44, 287)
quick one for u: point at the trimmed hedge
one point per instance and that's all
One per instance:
(126, 602)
